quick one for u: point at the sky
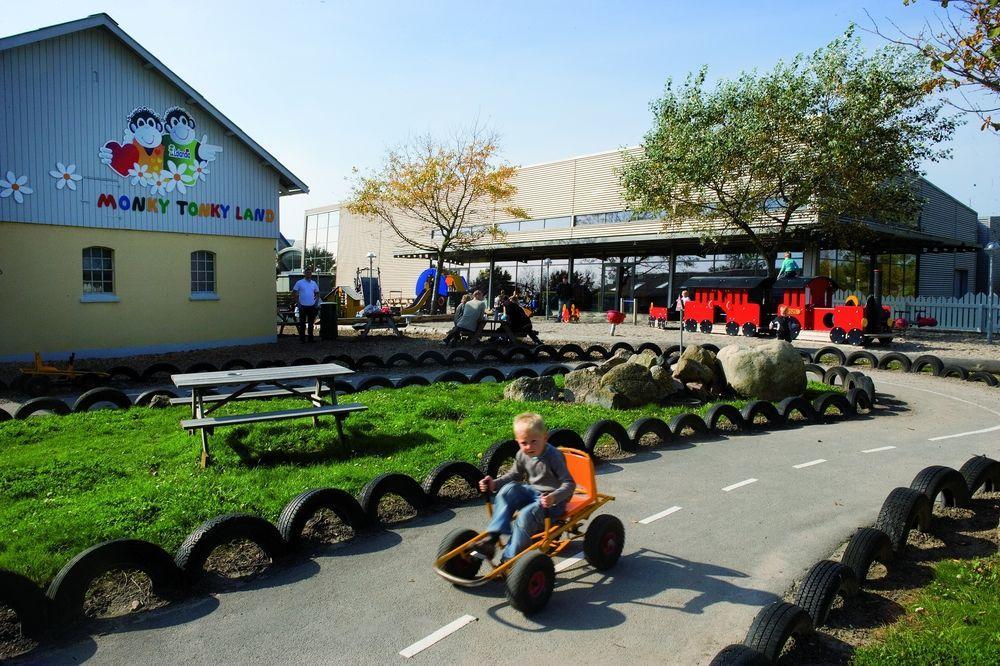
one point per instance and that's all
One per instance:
(326, 86)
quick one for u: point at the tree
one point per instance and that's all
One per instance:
(440, 195)
(964, 52)
(501, 280)
(320, 259)
(837, 136)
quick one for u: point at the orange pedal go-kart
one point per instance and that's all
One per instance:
(37, 379)
(530, 575)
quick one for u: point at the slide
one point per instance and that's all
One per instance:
(418, 305)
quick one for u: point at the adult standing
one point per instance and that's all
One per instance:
(564, 296)
(307, 293)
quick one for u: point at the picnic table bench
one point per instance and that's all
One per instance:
(384, 322)
(248, 380)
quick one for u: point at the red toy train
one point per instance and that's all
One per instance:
(750, 305)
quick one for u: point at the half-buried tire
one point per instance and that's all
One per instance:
(837, 372)
(237, 364)
(146, 397)
(613, 429)
(449, 470)
(401, 359)
(554, 370)
(954, 372)
(435, 357)
(211, 534)
(652, 346)
(622, 345)
(822, 585)
(484, 373)
(774, 626)
(797, 403)
(413, 380)
(649, 425)
(815, 370)
(904, 509)
(5, 415)
(867, 546)
(888, 360)
(461, 356)
(824, 352)
(159, 368)
(574, 350)
(522, 372)
(859, 400)
(828, 402)
(304, 506)
(369, 361)
(720, 412)
(597, 351)
(123, 372)
(761, 409)
(933, 363)
(374, 382)
(42, 404)
(497, 455)
(938, 480)
(984, 377)
(99, 395)
(390, 484)
(569, 438)
(738, 654)
(855, 358)
(981, 472)
(22, 596)
(452, 376)
(685, 421)
(543, 351)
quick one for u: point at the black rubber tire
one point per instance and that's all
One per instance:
(569, 438)
(548, 351)
(169, 368)
(954, 371)
(271, 363)
(613, 429)
(825, 581)
(374, 382)
(342, 359)
(827, 401)
(774, 625)
(763, 408)
(597, 351)
(101, 394)
(490, 355)
(861, 381)
(402, 359)
(29, 407)
(344, 386)
(649, 425)
(904, 509)
(859, 399)
(825, 351)
(652, 346)
(708, 346)
(855, 356)
(687, 420)
(674, 349)
(483, 373)
(738, 654)
(895, 357)
(21, 595)
(530, 582)
(927, 360)
(390, 483)
(574, 350)
(5, 415)
(69, 588)
(553, 370)
(522, 372)
(831, 376)
(984, 377)
(720, 411)
(816, 370)
(204, 366)
(412, 380)
(622, 345)
(452, 376)
(237, 364)
(981, 472)
(937, 480)
(448, 470)
(211, 534)
(146, 397)
(797, 404)
(436, 357)
(579, 366)
(603, 541)
(807, 356)
(496, 455)
(304, 360)
(867, 546)
(461, 356)
(369, 361)
(131, 374)
(519, 353)
(303, 506)
(463, 567)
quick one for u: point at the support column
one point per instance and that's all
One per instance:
(670, 276)
(810, 261)
(489, 288)
(635, 310)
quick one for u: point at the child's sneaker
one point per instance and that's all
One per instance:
(485, 549)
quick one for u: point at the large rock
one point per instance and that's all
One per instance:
(634, 382)
(771, 371)
(665, 380)
(532, 389)
(619, 357)
(646, 358)
(698, 366)
(621, 386)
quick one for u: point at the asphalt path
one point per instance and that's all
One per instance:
(689, 581)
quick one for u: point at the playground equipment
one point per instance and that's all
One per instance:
(37, 379)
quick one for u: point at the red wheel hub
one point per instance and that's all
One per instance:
(536, 584)
(609, 543)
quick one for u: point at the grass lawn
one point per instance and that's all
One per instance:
(67, 483)
(959, 622)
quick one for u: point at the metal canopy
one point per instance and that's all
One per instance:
(713, 282)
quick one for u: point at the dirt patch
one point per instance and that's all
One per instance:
(326, 527)
(650, 440)
(236, 561)
(121, 592)
(954, 534)
(12, 642)
(607, 449)
(457, 489)
(395, 509)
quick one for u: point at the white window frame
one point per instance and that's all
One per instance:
(98, 296)
(197, 273)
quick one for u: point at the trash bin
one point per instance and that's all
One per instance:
(328, 321)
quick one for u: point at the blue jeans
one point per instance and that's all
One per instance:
(515, 497)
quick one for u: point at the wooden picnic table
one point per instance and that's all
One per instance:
(202, 383)
(383, 321)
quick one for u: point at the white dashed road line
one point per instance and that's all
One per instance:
(964, 434)
(657, 516)
(739, 485)
(810, 463)
(443, 632)
(881, 448)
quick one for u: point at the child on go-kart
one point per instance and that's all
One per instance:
(549, 487)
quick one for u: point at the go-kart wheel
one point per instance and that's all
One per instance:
(855, 337)
(690, 325)
(705, 326)
(531, 581)
(749, 329)
(732, 328)
(603, 542)
(460, 565)
(794, 328)
(36, 385)
(837, 335)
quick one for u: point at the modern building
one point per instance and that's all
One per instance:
(580, 222)
(134, 216)
(989, 230)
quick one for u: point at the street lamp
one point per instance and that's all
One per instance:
(371, 257)
(990, 248)
(548, 276)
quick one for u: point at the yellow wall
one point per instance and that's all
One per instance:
(41, 286)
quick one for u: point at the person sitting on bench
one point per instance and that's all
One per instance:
(518, 321)
(469, 319)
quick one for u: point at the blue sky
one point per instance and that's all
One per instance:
(326, 86)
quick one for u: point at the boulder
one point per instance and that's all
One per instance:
(159, 402)
(646, 358)
(619, 357)
(579, 383)
(770, 371)
(699, 366)
(665, 380)
(532, 389)
(634, 382)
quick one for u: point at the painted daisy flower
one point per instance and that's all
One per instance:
(139, 173)
(14, 186)
(200, 171)
(64, 176)
(176, 177)
(158, 183)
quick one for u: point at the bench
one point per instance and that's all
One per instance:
(209, 423)
(250, 395)
(387, 323)
(286, 311)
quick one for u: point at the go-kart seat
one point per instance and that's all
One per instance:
(581, 468)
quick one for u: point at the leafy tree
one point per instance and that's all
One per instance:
(501, 280)
(838, 136)
(440, 195)
(321, 259)
(739, 262)
(963, 47)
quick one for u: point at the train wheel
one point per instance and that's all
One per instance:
(838, 335)
(732, 328)
(855, 337)
(749, 329)
(705, 326)
(794, 328)
(690, 325)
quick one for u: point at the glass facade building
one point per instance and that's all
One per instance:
(320, 241)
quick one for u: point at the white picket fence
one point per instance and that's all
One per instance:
(968, 313)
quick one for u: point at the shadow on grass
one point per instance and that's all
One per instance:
(320, 447)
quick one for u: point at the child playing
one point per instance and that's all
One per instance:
(549, 488)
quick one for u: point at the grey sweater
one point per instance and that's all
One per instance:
(472, 312)
(547, 474)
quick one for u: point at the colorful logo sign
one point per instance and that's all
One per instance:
(162, 154)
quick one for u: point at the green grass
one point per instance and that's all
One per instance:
(959, 622)
(67, 483)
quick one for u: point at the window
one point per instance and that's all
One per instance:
(98, 270)
(203, 274)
